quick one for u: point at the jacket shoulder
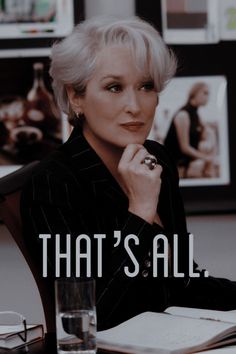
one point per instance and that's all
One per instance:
(56, 164)
(51, 181)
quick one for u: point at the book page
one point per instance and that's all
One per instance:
(13, 340)
(227, 350)
(12, 329)
(169, 334)
(225, 316)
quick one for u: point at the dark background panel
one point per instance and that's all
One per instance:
(17, 75)
(198, 60)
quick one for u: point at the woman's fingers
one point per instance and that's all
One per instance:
(130, 152)
(133, 157)
(139, 156)
(141, 183)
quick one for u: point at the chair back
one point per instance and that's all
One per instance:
(10, 194)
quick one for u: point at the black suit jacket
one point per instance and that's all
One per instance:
(72, 192)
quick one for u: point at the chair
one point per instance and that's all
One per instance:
(10, 193)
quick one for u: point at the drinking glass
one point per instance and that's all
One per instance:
(75, 316)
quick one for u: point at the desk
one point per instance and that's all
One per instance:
(48, 346)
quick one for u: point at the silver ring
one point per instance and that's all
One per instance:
(150, 161)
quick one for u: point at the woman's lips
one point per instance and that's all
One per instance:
(132, 126)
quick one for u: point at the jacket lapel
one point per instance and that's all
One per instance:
(89, 168)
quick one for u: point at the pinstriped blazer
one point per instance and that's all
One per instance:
(72, 192)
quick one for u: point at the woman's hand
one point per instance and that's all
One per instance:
(141, 185)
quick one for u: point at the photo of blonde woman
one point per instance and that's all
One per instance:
(191, 121)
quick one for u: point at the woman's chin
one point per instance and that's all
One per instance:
(133, 140)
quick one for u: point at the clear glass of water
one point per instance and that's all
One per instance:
(75, 316)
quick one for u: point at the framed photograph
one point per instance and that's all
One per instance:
(36, 18)
(190, 21)
(228, 19)
(208, 61)
(31, 125)
(192, 121)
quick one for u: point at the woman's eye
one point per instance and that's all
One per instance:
(148, 86)
(114, 88)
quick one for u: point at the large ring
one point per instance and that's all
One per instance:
(150, 161)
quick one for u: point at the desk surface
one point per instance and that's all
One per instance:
(46, 346)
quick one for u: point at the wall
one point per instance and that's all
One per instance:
(215, 243)
(18, 290)
(121, 8)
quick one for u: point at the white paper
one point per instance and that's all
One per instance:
(225, 316)
(171, 334)
(228, 19)
(176, 21)
(12, 329)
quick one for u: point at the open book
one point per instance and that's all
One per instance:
(178, 330)
(11, 336)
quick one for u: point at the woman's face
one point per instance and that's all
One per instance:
(201, 97)
(120, 101)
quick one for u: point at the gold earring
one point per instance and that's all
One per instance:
(79, 115)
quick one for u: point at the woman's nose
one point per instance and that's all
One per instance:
(132, 104)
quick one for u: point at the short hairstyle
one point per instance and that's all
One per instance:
(73, 59)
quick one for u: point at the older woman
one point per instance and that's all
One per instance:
(105, 180)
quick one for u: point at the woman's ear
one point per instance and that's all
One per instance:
(73, 98)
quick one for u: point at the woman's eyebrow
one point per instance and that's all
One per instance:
(120, 77)
(111, 76)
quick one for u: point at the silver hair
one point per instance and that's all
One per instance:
(73, 59)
